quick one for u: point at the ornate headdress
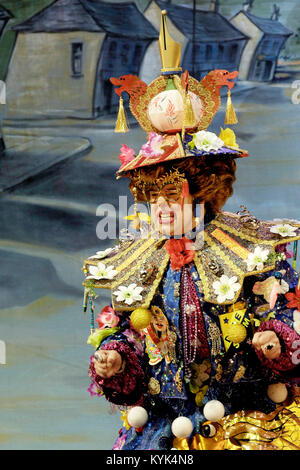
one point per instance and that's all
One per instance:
(175, 110)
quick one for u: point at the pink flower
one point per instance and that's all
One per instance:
(153, 147)
(107, 318)
(283, 249)
(126, 154)
(93, 389)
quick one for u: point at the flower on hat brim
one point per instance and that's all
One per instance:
(153, 147)
(228, 137)
(206, 141)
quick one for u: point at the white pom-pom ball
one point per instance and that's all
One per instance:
(277, 392)
(137, 417)
(182, 427)
(214, 410)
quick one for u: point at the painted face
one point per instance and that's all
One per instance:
(108, 363)
(172, 209)
(159, 321)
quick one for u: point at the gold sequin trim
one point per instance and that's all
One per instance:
(228, 262)
(233, 245)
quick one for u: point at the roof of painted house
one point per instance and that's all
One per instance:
(209, 25)
(61, 15)
(4, 14)
(267, 25)
(122, 19)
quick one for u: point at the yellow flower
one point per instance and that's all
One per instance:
(200, 395)
(124, 419)
(143, 216)
(228, 137)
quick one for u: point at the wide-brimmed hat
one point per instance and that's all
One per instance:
(175, 110)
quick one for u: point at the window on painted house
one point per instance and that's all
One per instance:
(208, 52)
(220, 51)
(76, 58)
(124, 54)
(137, 55)
(233, 52)
(112, 54)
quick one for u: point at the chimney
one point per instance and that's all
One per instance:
(247, 5)
(214, 5)
(276, 13)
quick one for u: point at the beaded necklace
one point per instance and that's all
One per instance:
(192, 322)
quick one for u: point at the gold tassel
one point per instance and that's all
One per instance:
(121, 124)
(136, 222)
(230, 117)
(188, 116)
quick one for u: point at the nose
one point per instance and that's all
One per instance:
(161, 202)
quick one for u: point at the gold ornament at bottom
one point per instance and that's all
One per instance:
(154, 386)
(237, 333)
(140, 318)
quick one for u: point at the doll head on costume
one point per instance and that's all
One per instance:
(116, 371)
(173, 190)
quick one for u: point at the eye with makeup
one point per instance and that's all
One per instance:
(169, 193)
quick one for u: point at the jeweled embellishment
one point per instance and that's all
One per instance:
(226, 288)
(285, 230)
(129, 294)
(154, 386)
(257, 259)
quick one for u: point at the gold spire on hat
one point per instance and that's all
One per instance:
(170, 51)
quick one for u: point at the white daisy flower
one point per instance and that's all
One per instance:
(285, 230)
(207, 141)
(129, 294)
(226, 288)
(101, 272)
(102, 254)
(256, 260)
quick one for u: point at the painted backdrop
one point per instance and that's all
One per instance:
(59, 154)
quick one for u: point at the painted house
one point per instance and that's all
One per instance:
(267, 36)
(128, 36)
(217, 43)
(65, 54)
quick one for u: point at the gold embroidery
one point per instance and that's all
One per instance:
(239, 373)
(155, 284)
(154, 386)
(228, 262)
(131, 164)
(219, 372)
(233, 245)
(215, 338)
(139, 109)
(178, 380)
(201, 272)
(242, 233)
(136, 254)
